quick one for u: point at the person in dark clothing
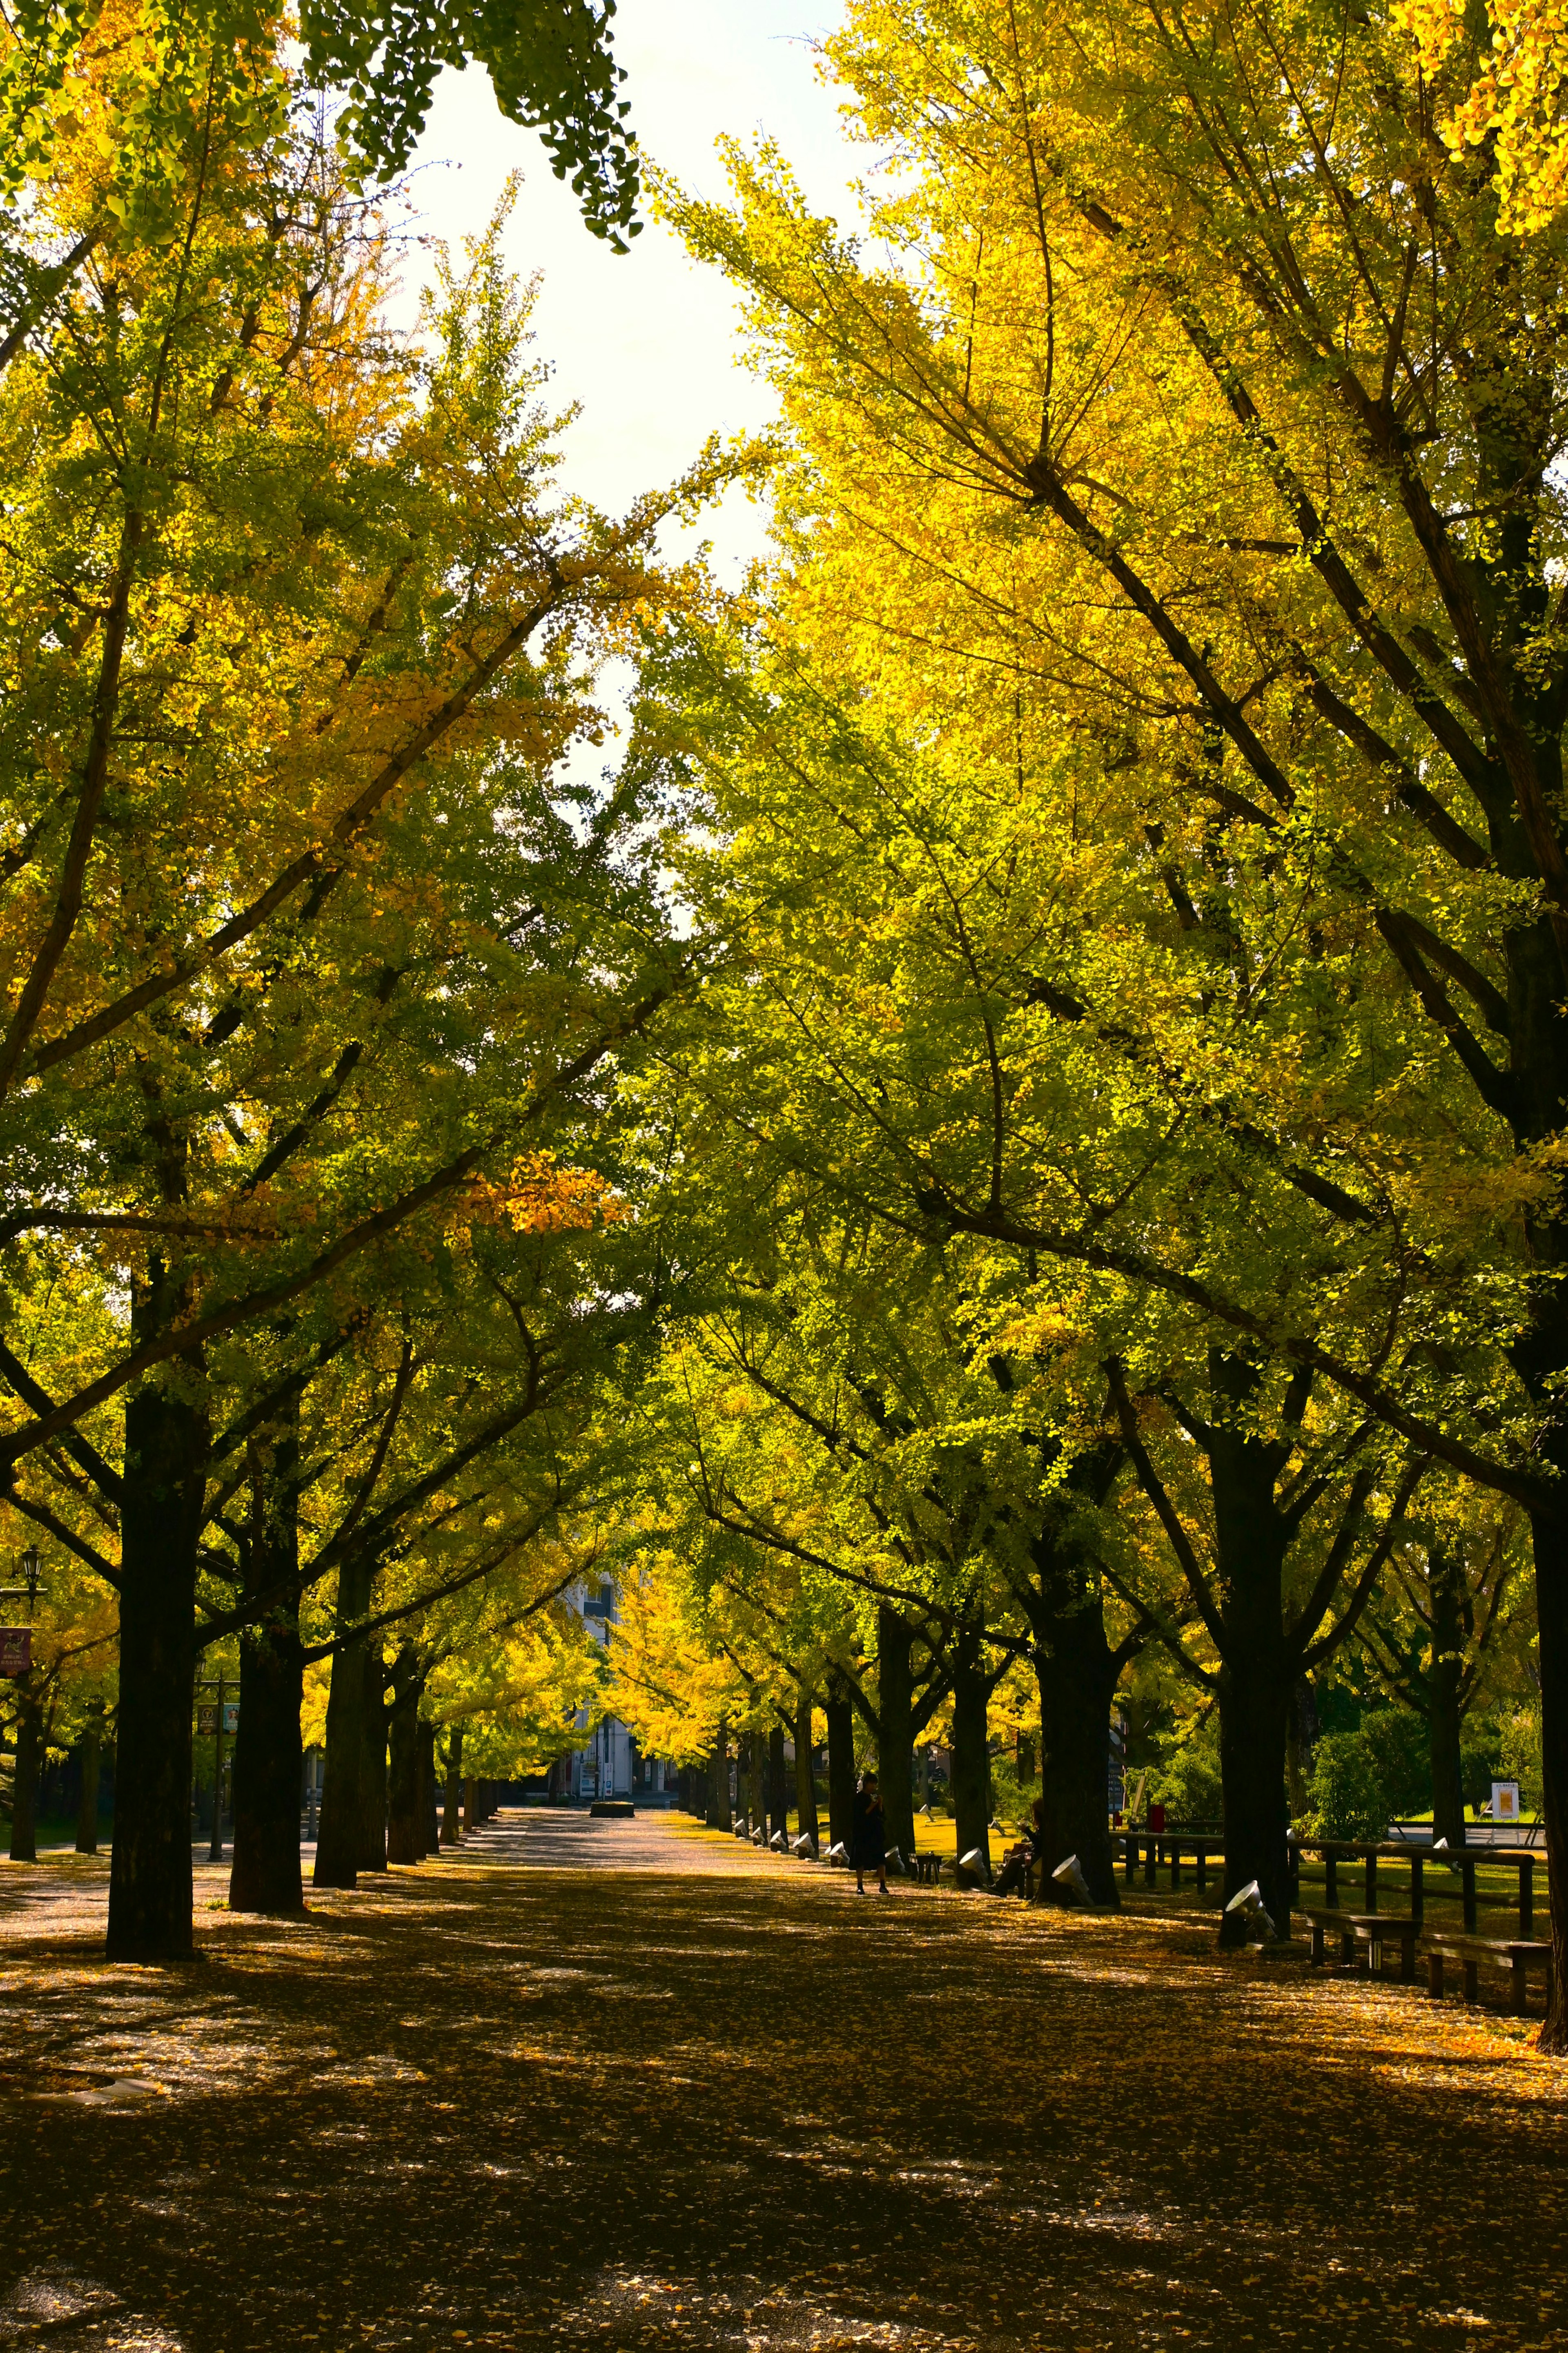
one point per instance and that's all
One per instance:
(867, 1839)
(1014, 1877)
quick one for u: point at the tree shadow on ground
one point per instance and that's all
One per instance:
(485, 2105)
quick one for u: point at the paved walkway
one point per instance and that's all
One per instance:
(623, 2085)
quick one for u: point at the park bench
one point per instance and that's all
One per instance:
(1518, 1955)
(1365, 1933)
(1326, 1923)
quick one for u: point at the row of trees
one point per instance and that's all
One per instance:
(1141, 782)
(1015, 1136)
(325, 1261)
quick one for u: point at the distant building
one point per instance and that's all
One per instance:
(609, 1764)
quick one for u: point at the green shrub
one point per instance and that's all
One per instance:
(1187, 1780)
(1346, 1788)
(1362, 1781)
(1519, 1755)
(1401, 1748)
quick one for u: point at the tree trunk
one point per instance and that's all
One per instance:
(25, 1790)
(452, 1818)
(426, 1833)
(756, 1749)
(402, 1782)
(895, 1729)
(470, 1805)
(840, 1716)
(166, 1445)
(268, 1762)
(1258, 1670)
(1445, 1714)
(1301, 1737)
(970, 1756)
(778, 1782)
(372, 1760)
(1254, 1698)
(1551, 1539)
(87, 1804)
(338, 1830)
(804, 1780)
(1078, 1675)
(717, 1815)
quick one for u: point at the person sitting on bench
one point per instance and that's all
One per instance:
(1013, 1879)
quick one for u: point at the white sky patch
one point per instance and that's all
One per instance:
(648, 340)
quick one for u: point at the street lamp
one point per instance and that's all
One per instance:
(31, 1567)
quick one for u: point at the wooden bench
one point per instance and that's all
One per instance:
(1363, 1935)
(1373, 1930)
(1518, 1955)
(1330, 1923)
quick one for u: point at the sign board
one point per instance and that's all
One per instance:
(231, 1715)
(206, 1722)
(16, 1649)
(1505, 1801)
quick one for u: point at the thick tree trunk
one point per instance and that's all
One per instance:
(338, 1830)
(87, 1803)
(1551, 1537)
(25, 1790)
(268, 1761)
(840, 1714)
(471, 1816)
(804, 1782)
(268, 1764)
(452, 1818)
(166, 1444)
(1254, 1697)
(1078, 1677)
(1445, 1713)
(426, 1833)
(778, 1782)
(718, 1814)
(1300, 1736)
(402, 1782)
(372, 1760)
(756, 1749)
(970, 1754)
(1258, 1670)
(895, 1729)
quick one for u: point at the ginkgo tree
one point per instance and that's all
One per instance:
(302, 942)
(1192, 438)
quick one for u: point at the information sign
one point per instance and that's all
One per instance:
(16, 1649)
(1505, 1801)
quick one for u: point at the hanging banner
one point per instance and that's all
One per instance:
(16, 1649)
(231, 1715)
(206, 1721)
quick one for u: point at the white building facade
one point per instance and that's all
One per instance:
(609, 1764)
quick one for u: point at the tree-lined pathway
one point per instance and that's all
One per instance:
(624, 2083)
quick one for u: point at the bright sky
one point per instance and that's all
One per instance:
(646, 341)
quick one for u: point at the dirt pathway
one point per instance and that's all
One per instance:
(612, 2084)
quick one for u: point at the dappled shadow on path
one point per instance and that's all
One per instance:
(509, 2100)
